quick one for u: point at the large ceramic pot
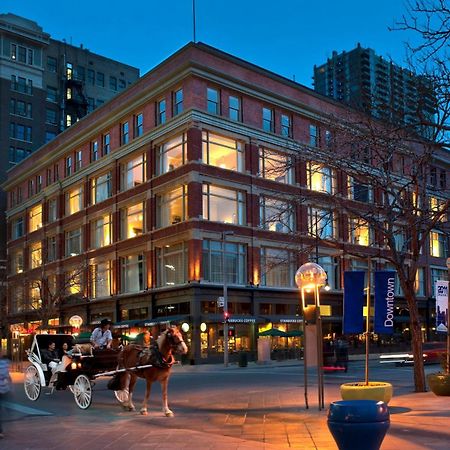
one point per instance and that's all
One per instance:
(439, 383)
(375, 390)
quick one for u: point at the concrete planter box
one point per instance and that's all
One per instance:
(439, 383)
(375, 390)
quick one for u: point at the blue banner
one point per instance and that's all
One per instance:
(384, 301)
(353, 302)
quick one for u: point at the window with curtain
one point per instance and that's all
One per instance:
(172, 264)
(277, 267)
(133, 273)
(223, 205)
(234, 256)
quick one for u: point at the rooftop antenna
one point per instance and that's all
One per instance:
(193, 19)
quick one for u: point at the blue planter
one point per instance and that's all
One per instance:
(357, 424)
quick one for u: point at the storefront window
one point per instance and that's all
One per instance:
(172, 264)
(133, 173)
(275, 166)
(222, 152)
(223, 205)
(171, 155)
(101, 279)
(277, 267)
(172, 207)
(133, 274)
(235, 262)
(35, 218)
(276, 215)
(132, 221)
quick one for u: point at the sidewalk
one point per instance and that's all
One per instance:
(254, 420)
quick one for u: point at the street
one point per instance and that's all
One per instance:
(215, 407)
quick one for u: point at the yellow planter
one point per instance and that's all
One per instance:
(375, 390)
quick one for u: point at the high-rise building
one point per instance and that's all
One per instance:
(366, 81)
(45, 86)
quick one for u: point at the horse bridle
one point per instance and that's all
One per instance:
(171, 337)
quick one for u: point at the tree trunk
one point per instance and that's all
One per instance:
(416, 343)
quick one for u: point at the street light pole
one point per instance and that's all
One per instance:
(225, 299)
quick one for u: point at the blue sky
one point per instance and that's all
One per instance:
(285, 36)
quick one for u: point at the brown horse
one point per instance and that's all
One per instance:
(160, 356)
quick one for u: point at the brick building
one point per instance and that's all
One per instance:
(135, 198)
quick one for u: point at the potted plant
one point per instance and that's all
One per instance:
(370, 390)
(439, 382)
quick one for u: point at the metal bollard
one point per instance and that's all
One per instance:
(357, 424)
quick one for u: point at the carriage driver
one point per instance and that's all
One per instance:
(101, 337)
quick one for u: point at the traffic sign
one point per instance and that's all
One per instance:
(220, 302)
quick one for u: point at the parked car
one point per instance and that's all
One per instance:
(433, 352)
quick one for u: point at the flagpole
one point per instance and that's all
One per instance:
(193, 19)
(369, 271)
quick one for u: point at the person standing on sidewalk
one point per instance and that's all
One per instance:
(5, 385)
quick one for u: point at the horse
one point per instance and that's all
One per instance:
(160, 357)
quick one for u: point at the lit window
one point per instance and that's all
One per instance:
(35, 218)
(437, 207)
(171, 155)
(419, 282)
(213, 104)
(101, 188)
(234, 255)
(101, 279)
(172, 265)
(222, 152)
(234, 108)
(178, 102)
(35, 295)
(275, 166)
(74, 201)
(133, 173)
(133, 273)
(172, 207)
(277, 267)
(276, 215)
(223, 205)
(321, 224)
(267, 119)
(101, 232)
(73, 242)
(360, 233)
(320, 178)
(73, 282)
(132, 220)
(437, 244)
(36, 254)
(161, 112)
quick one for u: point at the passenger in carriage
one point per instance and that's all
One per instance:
(50, 356)
(101, 337)
(65, 356)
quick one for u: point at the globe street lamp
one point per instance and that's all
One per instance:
(309, 278)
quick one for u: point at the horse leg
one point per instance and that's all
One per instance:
(165, 402)
(129, 383)
(148, 388)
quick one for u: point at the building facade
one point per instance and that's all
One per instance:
(187, 175)
(366, 81)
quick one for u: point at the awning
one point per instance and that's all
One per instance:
(127, 323)
(273, 332)
(283, 319)
(163, 320)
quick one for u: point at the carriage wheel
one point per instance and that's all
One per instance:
(82, 391)
(122, 395)
(32, 383)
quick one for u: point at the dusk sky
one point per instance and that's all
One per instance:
(285, 36)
